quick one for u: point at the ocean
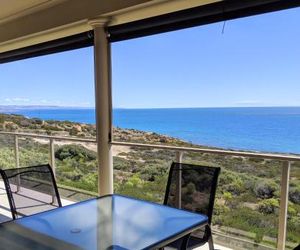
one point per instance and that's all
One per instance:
(274, 129)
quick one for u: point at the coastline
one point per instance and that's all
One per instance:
(257, 129)
(246, 185)
(21, 123)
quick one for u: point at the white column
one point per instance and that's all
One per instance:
(17, 158)
(102, 69)
(179, 155)
(52, 163)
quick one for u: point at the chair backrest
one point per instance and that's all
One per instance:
(192, 187)
(30, 190)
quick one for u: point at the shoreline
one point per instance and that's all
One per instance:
(63, 127)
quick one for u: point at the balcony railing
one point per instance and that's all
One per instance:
(286, 160)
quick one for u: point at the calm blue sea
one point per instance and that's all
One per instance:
(263, 129)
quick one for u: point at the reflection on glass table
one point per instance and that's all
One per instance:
(109, 222)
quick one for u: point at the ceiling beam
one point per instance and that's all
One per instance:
(67, 18)
(41, 27)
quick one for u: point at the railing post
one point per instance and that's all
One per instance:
(52, 162)
(17, 159)
(179, 155)
(284, 198)
(52, 156)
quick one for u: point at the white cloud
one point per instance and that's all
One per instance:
(85, 104)
(250, 103)
(16, 99)
(44, 101)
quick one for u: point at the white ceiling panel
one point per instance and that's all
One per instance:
(15, 8)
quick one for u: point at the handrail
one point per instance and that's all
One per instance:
(56, 138)
(281, 157)
(273, 156)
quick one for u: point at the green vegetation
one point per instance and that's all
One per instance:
(248, 190)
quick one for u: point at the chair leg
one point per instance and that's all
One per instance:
(184, 242)
(210, 239)
(211, 244)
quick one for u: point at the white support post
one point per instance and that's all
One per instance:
(179, 155)
(52, 163)
(52, 156)
(103, 101)
(284, 198)
(17, 159)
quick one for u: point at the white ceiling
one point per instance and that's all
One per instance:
(10, 9)
(27, 22)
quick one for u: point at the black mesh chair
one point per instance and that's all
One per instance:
(193, 188)
(30, 190)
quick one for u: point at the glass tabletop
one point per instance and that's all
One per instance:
(110, 222)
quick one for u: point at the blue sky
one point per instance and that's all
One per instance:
(256, 62)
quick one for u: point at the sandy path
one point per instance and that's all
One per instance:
(90, 146)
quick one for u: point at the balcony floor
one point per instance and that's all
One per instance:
(5, 214)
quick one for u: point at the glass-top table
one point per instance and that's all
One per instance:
(109, 222)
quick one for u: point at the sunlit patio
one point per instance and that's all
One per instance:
(39, 28)
(5, 212)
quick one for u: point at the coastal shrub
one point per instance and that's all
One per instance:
(236, 187)
(134, 186)
(226, 177)
(293, 227)
(151, 171)
(231, 182)
(219, 214)
(2, 118)
(121, 164)
(25, 123)
(294, 194)
(265, 189)
(73, 131)
(292, 211)
(142, 173)
(88, 183)
(10, 126)
(37, 121)
(249, 181)
(7, 158)
(74, 151)
(33, 153)
(6, 141)
(227, 196)
(48, 127)
(249, 220)
(268, 206)
(141, 189)
(259, 236)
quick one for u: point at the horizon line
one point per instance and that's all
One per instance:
(92, 107)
